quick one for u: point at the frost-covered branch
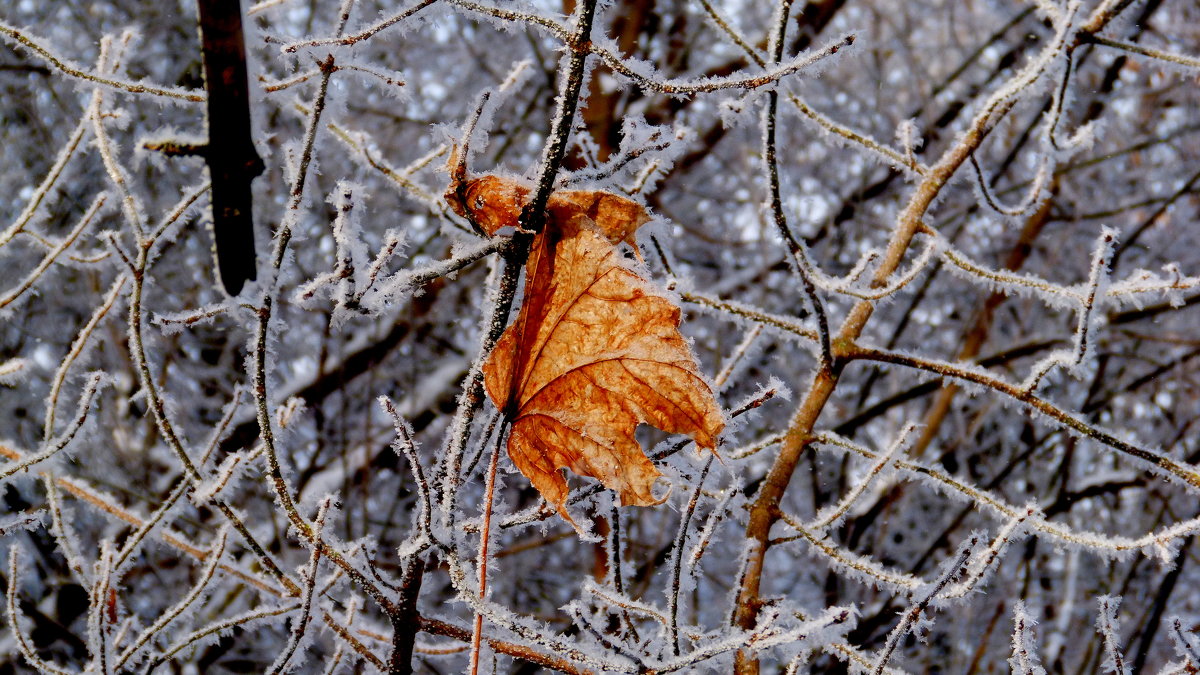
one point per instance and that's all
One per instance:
(67, 67)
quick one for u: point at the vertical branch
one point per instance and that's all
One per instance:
(1087, 305)
(102, 610)
(571, 74)
(404, 617)
(485, 535)
(130, 206)
(300, 626)
(571, 81)
(405, 620)
(1106, 623)
(1024, 659)
(61, 529)
(283, 236)
(614, 563)
(1161, 598)
(158, 406)
(15, 617)
(677, 557)
(232, 160)
(795, 247)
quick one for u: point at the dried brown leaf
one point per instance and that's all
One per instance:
(494, 202)
(594, 352)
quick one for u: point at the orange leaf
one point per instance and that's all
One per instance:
(496, 202)
(594, 352)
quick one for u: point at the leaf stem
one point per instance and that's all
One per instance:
(484, 541)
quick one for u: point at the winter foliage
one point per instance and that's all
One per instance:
(936, 260)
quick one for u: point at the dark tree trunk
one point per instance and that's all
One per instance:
(232, 159)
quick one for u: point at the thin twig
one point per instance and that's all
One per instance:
(73, 70)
